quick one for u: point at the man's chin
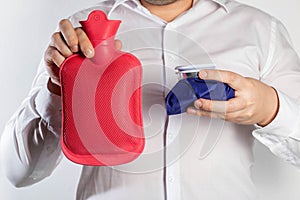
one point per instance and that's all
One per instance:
(160, 2)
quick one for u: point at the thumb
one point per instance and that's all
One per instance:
(234, 80)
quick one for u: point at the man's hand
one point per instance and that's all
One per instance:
(63, 44)
(254, 102)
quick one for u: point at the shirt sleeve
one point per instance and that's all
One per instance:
(30, 144)
(30, 148)
(282, 71)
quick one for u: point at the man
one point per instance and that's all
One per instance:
(195, 156)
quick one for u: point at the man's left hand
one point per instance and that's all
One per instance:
(254, 101)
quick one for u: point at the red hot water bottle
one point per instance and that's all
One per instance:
(101, 98)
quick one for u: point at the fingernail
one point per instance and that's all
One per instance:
(198, 104)
(75, 48)
(191, 111)
(203, 74)
(89, 53)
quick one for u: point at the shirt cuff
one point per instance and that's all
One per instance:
(48, 105)
(286, 121)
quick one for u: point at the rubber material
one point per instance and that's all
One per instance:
(102, 100)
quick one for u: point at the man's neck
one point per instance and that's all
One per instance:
(168, 12)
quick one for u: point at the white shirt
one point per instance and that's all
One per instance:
(185, 157)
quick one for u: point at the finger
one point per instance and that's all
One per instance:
(234, 80)
(58, 42)
(54, 56)
(231, 105)
(118, 45)
(69, 34)
(203, 113)
(84, 43)
(240, 117)
(235, 117)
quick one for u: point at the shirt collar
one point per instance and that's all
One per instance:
(222, 3)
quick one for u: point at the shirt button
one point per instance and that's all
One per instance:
(170, 136)
(49, 149)
(171, 179)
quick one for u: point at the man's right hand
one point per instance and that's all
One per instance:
(63, 44)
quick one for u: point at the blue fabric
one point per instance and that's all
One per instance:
(186, 91)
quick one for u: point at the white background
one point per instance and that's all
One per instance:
(26, 27)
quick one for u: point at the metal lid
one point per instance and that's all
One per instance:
(194, 68)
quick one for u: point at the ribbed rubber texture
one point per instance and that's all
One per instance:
(102, 116)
